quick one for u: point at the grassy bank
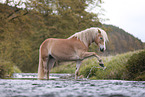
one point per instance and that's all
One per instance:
(7, 68)
(116, 68)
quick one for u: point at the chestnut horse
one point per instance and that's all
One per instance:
(74, 48)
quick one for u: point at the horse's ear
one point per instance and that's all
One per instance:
(99, 31)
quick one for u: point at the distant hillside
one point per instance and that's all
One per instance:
(121, 41)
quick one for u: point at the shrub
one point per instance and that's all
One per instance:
(2, 71)
(136, 65)
(7, 68)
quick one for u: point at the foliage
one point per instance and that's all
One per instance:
(136, 66)
(23, 30)
(7, 68)
(21, 35)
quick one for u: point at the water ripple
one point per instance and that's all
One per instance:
(71, 88)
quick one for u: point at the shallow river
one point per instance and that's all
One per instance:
(26, 85)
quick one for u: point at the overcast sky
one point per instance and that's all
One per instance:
(126, 14)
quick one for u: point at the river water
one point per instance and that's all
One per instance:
(27, 85)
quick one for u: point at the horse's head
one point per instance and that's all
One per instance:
(100, 41)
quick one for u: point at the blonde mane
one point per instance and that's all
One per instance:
(88, 36)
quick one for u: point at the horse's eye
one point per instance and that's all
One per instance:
(101, 38)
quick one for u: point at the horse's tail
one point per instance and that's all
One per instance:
(40, 68)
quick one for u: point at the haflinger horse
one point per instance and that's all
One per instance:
(74, 48)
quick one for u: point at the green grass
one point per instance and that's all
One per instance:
(116, 67)
(65, 67)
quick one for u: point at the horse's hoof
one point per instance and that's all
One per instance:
(101, 64)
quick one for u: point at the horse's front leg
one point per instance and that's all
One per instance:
(78, 64)
(90, 54)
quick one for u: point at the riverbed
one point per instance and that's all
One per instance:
(22, 86)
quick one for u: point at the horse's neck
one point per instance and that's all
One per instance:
(86, 37)
(87, 44)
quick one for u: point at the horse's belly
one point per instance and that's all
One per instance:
(65, 56)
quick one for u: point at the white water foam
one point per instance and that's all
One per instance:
(35, 75)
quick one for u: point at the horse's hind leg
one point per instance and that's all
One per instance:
(45, 68)
(51, 63)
